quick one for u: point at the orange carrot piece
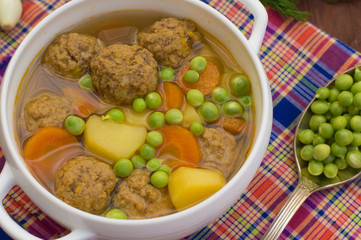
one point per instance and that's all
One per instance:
(83, 104)
(172, 96)
(234, 125)
(180, 147)
(47, 149)
(207, 81)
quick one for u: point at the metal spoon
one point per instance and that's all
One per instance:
(307, 184)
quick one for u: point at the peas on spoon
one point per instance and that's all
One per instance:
(324, 165)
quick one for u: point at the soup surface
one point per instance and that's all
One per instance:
(134, 115)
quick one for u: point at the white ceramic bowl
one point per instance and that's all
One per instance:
(88, 226)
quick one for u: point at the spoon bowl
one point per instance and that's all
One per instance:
(308, 183)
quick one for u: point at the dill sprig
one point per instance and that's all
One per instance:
(287, 8)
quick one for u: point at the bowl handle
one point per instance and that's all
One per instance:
(11, 227)
(260, 23)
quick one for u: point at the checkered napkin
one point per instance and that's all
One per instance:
(298, 58)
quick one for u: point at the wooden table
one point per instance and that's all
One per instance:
(342, 20)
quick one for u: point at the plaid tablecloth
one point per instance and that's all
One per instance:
(298, 58)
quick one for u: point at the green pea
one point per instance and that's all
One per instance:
(195, 97)
(351, 148)
(154, 138)
(357, 100)
(147, 151)
(196, 128)
(240, 85)
(336, 109)
(116, 214)
(343, 137)
(329, 159)
(198, 64)
(167, 74)
(306, 136)
(165, 168)
(321, 151)
(74, 125)
(154, 164)
(315, 168)
(345, 98)
(357, 74)
(139, 105)
(356, 139)
(341, 163)
(330, 170)
(355, 123)
(338, 150)
(348, 118)
(138, 162)
(320, 107)
(315, 121)
(306, 152)
(353, 159)
(343, 82)
(153, 100)
(159, 179)
(123, 167)
(232, 108)
(220, 94)
(326, 130)
(86, 82)
(156, 120)
(174, 116)
(352, 110)
(191, 76)
(245, 100)
(356, 88)
(322, 93)
(209, 111)
(339, 122)
(318, 139)
(334, 92)
(115, 115)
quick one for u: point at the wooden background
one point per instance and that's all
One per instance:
(342, 20)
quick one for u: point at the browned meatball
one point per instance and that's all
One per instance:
(69, 54)
(85, 183)
(219, 150)
(46, 109)
(122, 73)
(170, 40)
(139, 199)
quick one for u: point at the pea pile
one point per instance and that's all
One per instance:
(331, 141)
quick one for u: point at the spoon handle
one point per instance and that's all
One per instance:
(304, 189)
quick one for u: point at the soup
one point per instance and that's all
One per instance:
(134, 115)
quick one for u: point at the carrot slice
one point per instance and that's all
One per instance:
(83, 104)
(234, 125)
(172, 96)
(47, 149)
(180, 147)
(208, 79)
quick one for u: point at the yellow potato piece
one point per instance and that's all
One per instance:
(190, 115)
(189, 186)
(112, 140)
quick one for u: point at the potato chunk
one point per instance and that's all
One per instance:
(190, 115)
(112, 140)
(189, 186)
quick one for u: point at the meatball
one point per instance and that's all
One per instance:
(47, 109)
(170, 40)
(122, 73)
(139, 199)
(85, 183)
(219, 150)
(69, 54)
